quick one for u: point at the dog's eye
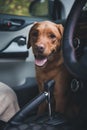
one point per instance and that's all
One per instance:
(52, 36)
(35, 33)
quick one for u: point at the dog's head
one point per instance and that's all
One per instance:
(45, 39)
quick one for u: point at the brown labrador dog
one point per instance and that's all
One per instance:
(46, 41)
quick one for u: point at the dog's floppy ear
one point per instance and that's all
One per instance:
(60, 28)
(29, 44)
(29, 37)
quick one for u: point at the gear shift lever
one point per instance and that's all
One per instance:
(49, 88)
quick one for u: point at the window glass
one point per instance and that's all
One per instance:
(85, 7)
(24, 7)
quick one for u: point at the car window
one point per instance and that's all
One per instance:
(24, 7)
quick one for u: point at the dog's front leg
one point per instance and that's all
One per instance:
(42, 108)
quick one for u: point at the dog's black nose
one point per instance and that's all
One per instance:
(39, 48)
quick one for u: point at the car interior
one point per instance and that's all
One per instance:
(18, 70)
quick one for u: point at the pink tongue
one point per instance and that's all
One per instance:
(40, 62)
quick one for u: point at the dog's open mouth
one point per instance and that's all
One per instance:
(40, 61)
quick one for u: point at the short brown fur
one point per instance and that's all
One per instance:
(48, 37)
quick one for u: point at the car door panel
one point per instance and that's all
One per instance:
(15, 62)
(7, 37)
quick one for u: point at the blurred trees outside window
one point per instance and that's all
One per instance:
(16, 7)
(21, 7)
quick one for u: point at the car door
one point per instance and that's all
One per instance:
(13, 56)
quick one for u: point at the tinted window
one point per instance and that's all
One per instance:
(24, 7)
